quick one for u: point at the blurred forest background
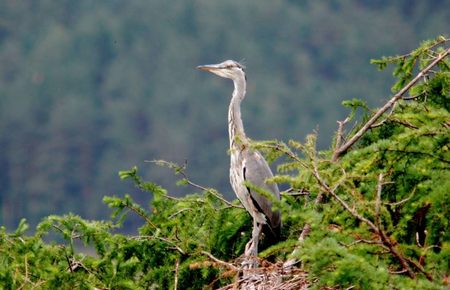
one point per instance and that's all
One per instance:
(88, 88)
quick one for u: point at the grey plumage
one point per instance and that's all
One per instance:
(247, 164)
(256, 170)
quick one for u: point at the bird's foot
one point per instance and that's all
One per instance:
(251, 249)
(250, 256)
(249, 263)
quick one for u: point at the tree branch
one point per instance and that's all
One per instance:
(181, 170)
(342, 149)
(141, 214)
(177, 265)
(340, 132)
(220, 262)
(378, 200)
(386, 241)
(291, 262)
(166, 240)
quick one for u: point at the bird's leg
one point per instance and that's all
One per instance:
(251, 249)
(256, 232)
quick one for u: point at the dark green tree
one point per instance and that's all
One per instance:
(87, 87)
(371, 212)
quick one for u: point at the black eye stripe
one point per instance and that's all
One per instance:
(231, 66)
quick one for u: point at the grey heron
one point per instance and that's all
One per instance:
(247, 164)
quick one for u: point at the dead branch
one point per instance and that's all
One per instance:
(403, 271)
(364, 241)
(378, 200)
(175, 283)
(342, 149)
(404, 123)
(387, 118)
(220, 262)
(340, 132)
(291, 262)
(401, 201)
(420, 268)
(413, 97)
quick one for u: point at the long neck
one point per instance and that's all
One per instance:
(235, 125)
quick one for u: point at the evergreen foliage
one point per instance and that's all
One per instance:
(373, 216)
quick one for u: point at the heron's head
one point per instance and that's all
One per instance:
(229, 69)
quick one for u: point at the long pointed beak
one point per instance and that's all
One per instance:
(208, 67)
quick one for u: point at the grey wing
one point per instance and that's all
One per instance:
(257, 171)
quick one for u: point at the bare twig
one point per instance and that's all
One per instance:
(69, 263)
(178, 212)
(401, 201)
(387, 118)
(220, 262)
(420, 268)
(291, 262)
(404, 123)
(342, 149)
(181, 170)
(209, 190)
(26, 267)
(166, 240)
(287, 152)
(369, 242)
(307, 227)
(441, 41)
(172, 244)
(175, 283)
(403, 271)
(303, 235)
(292, 192)
(378, 200)
(139, 213)
(340, 132)
(413, 97)
(417, 240)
